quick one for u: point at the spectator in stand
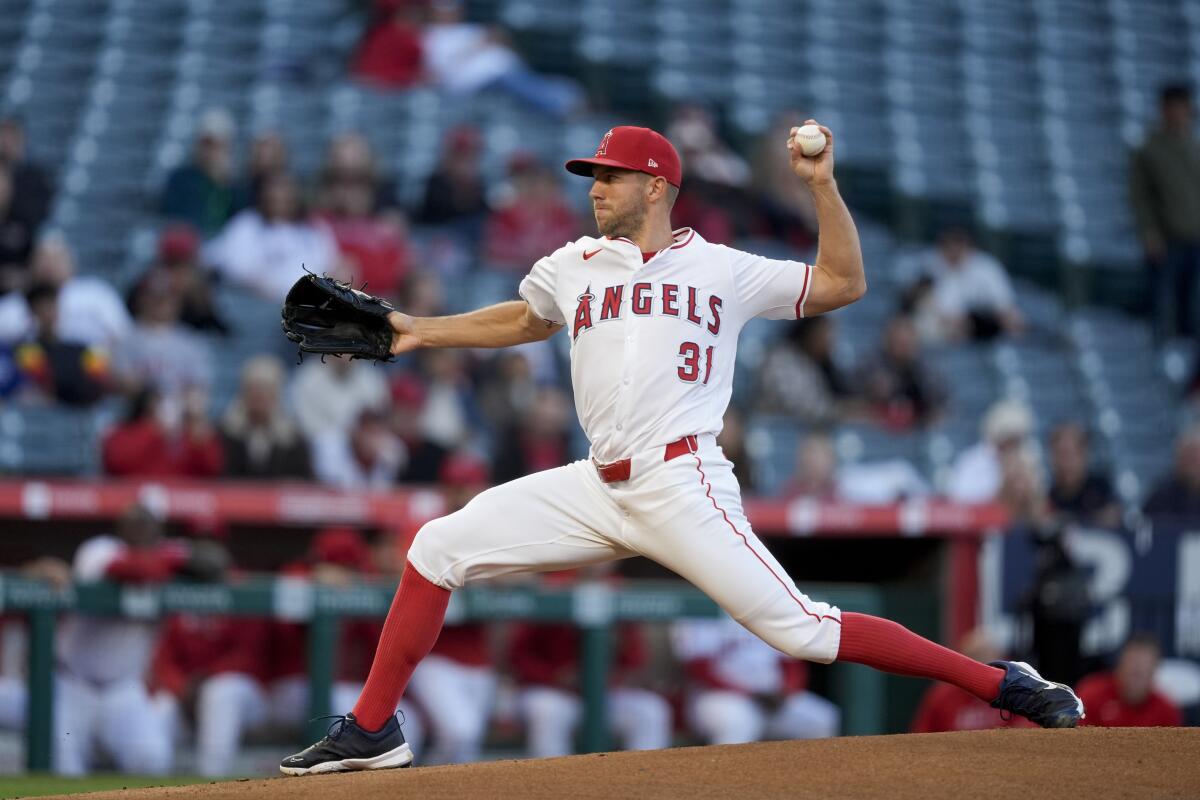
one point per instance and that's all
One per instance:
(456, 682)
(450, 417)
(694, 131)
(57, 371)
(815, 477)
(1078, 493)
(971, 295)
(1164, 188)
(157, 441)
(368, 457)
(268, 156)
(330, 394)
(1178, 494)
(463, 58)
(800, 375)
(202, 192)
(350, 159)
(901, 390)
(178, 267)
(267, 248)
(160, 351)
(508, 389)
(455, 192)
(1126, 697)
(32, 189)
(732, 441)
(426, 458)
(90, 310)
(374, 247)
(423, 294)
(740, 689)
(259, 438)
(16, 232)
(819, 476)
(101, 697)
(389, 55)
(947, 708)
(715, 195)
(545, 663)
(533, 220)
(336, 557)
(786, 207)
(978, 472)
(540, 440)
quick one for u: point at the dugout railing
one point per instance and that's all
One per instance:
(594, 607)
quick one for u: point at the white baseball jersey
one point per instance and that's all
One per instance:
(653, 344)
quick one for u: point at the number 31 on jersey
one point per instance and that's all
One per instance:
(689, 370)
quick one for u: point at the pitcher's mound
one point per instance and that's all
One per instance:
(1021, 764)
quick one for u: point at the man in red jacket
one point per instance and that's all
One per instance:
(1126, 697)
(216, 664)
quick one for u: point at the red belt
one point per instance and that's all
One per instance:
(619, 471)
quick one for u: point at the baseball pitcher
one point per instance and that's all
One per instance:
(653, 315)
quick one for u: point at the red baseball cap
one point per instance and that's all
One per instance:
(638, 149)
(178, 243)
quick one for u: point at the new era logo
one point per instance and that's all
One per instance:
(652, 163)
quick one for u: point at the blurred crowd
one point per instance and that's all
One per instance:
(253, 225)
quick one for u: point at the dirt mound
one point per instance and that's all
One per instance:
(1088, 763)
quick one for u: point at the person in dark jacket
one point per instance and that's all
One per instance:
(260, 440)
(1178, 494)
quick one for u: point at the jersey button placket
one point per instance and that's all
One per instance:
(626, 366)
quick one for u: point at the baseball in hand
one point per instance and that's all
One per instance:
(810, 139)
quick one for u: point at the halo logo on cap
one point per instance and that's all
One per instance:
(632, 148)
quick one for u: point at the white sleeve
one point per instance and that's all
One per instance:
(537, 289)
(93, 557)
(768, 287)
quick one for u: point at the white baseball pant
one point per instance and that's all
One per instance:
(459, 698)
(640, 719)
(723, 717)
(685, 513)
(119, 716)
(13, 701)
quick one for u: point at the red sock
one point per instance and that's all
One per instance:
(886, 645)
(409, 632)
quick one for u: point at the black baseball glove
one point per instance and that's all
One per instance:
(330, 317)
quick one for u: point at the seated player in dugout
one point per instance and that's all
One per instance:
(653, 315)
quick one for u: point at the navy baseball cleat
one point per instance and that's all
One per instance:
(1023, 691)
(348, 747)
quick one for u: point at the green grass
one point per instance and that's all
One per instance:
(35, 785)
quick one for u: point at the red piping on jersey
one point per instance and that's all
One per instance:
(803, 291)
(684, 243)
(704, 482)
